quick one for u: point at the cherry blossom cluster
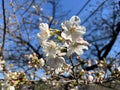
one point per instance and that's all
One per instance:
(2, 64)
(61, 50)
(95, 75)
(58, 44)
(34, 62)
(14, 80)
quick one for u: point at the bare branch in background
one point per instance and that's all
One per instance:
(94, 11)
(83, 7)
(4, 30)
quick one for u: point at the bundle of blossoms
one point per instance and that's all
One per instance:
(14, 80)
(2, 64)
(61, 59)
(62, 50)
(17, 78)
(34, 62)
(60, 44)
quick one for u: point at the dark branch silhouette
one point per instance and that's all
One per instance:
(94, 11)
(107, 48)
(4, 34)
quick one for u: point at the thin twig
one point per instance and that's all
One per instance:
(73, 67)
(94, 11)
(53, 3)
(32, 2)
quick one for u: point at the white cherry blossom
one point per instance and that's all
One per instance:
(44, 34)
(90, 77)
(76, 48)
(11, 88)
(55, 62)
(42, 62)
(44, 78)
(4, 86)
(81, 41)
(75, 19)
(49, 48)
(71, 29)
(58, 70)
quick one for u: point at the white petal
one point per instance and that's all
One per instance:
(43, 26)
(11, 88)
(49, 48)
(66, 35)
(74, 36)
(84, 47)
(60, 59)
(79, 51)
(75, 19)
(38, 35)
(81, 41)
(65, 25)
(58, 70)
(81, 30)
(54, 62)
(42, 62)
(50, 62)
(70, 51)
(118, 68)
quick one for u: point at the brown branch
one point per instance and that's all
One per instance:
(28, 44)
(73, 67)
(109, 46)
(91, 67)
(29, 7)
(4, 33)
(94, 11)
(53, 3)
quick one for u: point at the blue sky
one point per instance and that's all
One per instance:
(74, 6)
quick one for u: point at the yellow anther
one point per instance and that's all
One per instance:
(51, 46)
(60, 38)
(72, 29)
